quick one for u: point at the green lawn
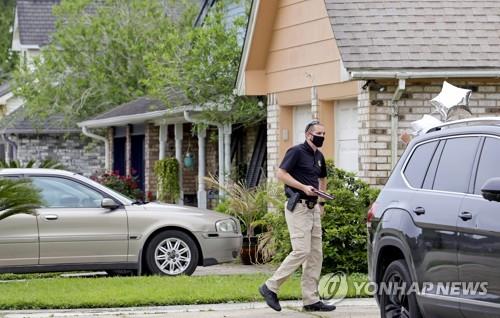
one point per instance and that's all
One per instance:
(50, 291)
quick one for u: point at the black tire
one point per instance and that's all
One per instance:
(400, 304)
(159, 254)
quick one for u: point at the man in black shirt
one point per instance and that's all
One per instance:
(303, 170)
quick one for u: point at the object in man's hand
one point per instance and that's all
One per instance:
(324, 195)
(293, 198)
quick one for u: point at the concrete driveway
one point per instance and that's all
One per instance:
(350, 308)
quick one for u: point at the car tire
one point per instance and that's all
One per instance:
(398, 304)
(172, 253)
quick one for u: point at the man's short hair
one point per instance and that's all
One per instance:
(313, 123)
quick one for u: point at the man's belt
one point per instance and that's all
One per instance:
(310, 204)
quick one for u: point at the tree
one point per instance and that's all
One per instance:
(96, 57)
(204, 66)
(8, 58)
(18, 196)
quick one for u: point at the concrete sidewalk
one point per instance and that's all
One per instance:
(352, 308)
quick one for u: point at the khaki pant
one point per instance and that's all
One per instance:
(304, 226)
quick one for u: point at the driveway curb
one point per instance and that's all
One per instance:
(158, 310)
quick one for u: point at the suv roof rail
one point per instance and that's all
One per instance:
(467, 122)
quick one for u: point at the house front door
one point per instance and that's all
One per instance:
(137, 159)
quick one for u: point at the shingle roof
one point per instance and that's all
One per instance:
(36, 21)
(409, 34)
(18, 123)
(139, 106)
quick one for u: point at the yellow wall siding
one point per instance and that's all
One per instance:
(302, 42)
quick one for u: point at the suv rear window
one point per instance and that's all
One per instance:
(455, 166)
(416, 168)
(488, 163)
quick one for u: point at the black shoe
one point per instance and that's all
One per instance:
(319, 306)
(270, 297)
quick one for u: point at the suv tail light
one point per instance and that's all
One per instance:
(370, 215)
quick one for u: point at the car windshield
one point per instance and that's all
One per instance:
(123, 198)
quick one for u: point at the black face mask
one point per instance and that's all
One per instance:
(318, 141)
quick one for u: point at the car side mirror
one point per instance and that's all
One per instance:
(108, 203)
(491, 190)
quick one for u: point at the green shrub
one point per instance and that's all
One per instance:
(344, 226)
(167, 176)
(47, 164)
(18, 196)
(126, 185)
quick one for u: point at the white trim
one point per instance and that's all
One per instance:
(240, 81)
(137, 118)
(424, 74)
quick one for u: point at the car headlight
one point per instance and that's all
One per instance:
(228, 225)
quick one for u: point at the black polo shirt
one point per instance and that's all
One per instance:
(305, 165)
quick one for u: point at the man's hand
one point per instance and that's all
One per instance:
(309, 191)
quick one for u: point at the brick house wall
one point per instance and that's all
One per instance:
(76, 152)
(190, 141)
(375, 118)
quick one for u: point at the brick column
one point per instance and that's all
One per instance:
(273, 137)
(151, 155)
(374, 137)
(109, 155)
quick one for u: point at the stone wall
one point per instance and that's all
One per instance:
(76, 152)
(374, 109)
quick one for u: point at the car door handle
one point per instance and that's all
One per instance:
(466, 216)
(419, 210)
(50, 217)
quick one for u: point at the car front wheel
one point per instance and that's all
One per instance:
(395, 301)
(172, 253)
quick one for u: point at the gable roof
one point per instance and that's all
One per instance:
(141, 105)
(140, 110)
(36, 21)
(18, 123)
(409, 34)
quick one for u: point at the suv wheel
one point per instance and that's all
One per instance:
(398, 303)
(172, 253)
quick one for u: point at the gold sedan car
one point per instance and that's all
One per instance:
(86, 226)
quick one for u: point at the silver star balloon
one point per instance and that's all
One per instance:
(424, 124)
(451, 98)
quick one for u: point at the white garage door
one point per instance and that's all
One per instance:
(346, 135)
(302, 116)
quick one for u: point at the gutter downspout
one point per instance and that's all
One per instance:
(189, 118)
(12, 143)
(106, 145)
(395, 120)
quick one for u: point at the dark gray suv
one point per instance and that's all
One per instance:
(434, 230)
